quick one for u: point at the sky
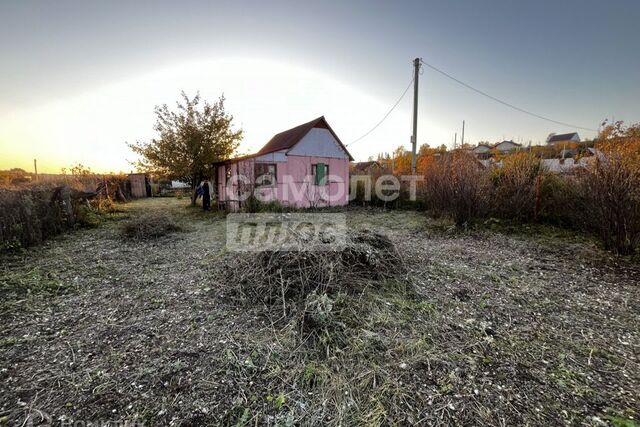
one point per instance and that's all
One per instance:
(78, 80)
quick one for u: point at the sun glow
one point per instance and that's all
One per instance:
(264, 96)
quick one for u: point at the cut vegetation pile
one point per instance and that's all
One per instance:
(280, 277)
(150, 226)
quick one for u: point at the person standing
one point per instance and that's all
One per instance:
(206, 196)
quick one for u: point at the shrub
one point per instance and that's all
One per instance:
(456, 185)
(252, 204)
(609, 194)
(28, 216)
(516, 187)
(557, 201)
(362, 189)
(255, 205)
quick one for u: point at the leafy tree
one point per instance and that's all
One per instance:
(191, 138)
(425, 158)
(401, 161)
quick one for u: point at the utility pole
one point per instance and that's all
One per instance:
(414, 137)
(35, 168)
(462, 139)
(455, 140)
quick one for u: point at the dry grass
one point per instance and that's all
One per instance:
(480, 329)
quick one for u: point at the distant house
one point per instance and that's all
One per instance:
(507, 147)
(482, 151)
(594, 152)
(568, 152)
(305, 166)
(564, 138)
(366, 168)
(571, 164)
(591, 155)
(561, 166)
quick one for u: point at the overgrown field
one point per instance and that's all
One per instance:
(159, 325)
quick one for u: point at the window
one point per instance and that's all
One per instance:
(265, 174)
(320, 173)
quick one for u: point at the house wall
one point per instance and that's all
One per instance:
(275, 157)
(301, 190)
(318, 142)
(560, 165)
(294, 179)
(294, 183)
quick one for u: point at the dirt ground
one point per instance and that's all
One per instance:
(485, 328)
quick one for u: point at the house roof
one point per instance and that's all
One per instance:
(362, 166)
(481, 147)
(515, 144)
(287, 139)
(562, 137)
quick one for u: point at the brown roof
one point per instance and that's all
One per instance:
(287, 139)
(362, 166)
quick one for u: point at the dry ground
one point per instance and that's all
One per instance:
(484, 329)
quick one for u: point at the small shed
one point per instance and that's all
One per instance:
(366, 168)
(139, 185)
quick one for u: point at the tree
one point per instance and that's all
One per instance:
(610, 190)
(401, 161)
(425, 158)
(191, 139)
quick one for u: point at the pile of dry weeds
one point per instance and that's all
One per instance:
(150, 226)
(283, 278)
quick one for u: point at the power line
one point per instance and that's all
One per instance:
(385, 116)
(522, 110)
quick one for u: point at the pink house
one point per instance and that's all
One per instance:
(306, 166)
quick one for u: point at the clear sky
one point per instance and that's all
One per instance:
(79, 79)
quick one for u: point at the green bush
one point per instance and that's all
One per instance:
(255, 205)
